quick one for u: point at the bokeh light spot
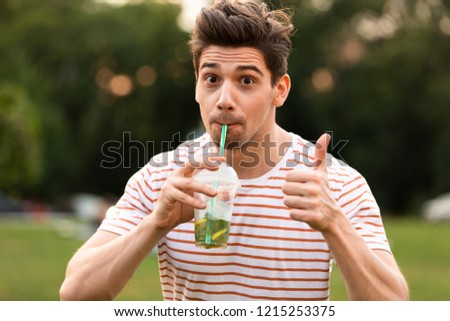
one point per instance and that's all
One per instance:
(103, 77)
(121, 85)
(322, 80)
(146, 76)
(444, 25)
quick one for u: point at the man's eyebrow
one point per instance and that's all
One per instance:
(239, 68)
(250, 67)
(209, 65)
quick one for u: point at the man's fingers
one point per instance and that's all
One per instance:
(320, 154)
(175, 195)
(180, 186)
(179, 190)
(301, 189)
(211, 163)
(190, 185)
(302, 176)
(300, 215)
(300, 202)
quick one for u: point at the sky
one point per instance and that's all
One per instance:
(190, 10)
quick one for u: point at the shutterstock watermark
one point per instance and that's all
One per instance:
(130, 153)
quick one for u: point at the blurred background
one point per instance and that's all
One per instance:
(91, 90)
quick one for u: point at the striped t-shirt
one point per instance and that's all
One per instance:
(269, 255)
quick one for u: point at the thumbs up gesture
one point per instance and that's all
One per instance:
(320, 153)
(307, 193)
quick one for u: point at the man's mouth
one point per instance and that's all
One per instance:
(228, 123)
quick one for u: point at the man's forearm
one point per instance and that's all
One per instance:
(101, 272)
(367, 276)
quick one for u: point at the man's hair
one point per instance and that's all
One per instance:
(231, 23)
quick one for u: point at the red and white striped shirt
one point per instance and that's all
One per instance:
(269, 255)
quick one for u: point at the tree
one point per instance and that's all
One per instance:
(73, 60)
(376, 74)
(20, 139)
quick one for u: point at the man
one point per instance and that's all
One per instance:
(296, 209)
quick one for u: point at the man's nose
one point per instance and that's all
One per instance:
(226, 101)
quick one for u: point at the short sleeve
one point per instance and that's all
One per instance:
(135, 204)
(359, 205)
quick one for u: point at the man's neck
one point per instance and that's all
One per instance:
(256, 159)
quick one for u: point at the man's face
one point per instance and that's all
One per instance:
(234, 88)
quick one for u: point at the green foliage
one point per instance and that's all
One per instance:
(388, 94)
(20, 138)
(56, 52)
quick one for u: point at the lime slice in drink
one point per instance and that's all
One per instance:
(219, 233)
(201, 221)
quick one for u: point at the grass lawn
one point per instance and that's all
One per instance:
(34, 257)
(422, 250)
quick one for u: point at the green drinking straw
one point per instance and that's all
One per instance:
(216, 183)
(222, 139)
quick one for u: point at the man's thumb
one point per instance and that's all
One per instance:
(320, 153)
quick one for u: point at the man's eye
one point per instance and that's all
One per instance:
(211, 79)
(247, 80)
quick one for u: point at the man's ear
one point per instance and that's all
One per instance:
(282, 87)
